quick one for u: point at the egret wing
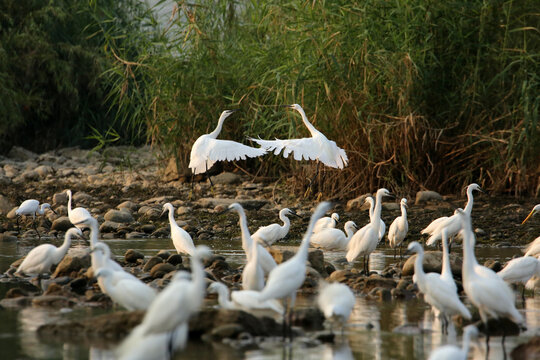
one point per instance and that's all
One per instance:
(220, 150)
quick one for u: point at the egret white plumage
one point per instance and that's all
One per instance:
(437, 292)
(246, 300)
(334, 239)
(157, 346)
(533, 249)
(31, 207)
(336, 301)
(399, 228)
(536, 209)
(326, 222)
(452, 223)
(287, 277)
(365, 240)
(271, 233)
(207, 149)
(101, 259)
(182, 241)
(41, 258)
(446, 269)
(78, 216)
(484, 288)
(520, 270)
(382, 228)
(452, 352)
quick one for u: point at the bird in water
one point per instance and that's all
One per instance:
(271, 233)
(520, 270)
(336, 301)
(246, 300)
(452, 352)
(31, 207)
(326, 222)
(182, 241)
(382, 228)
(399, 228)
(334, 239)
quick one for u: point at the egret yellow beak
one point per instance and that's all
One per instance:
(528, 217)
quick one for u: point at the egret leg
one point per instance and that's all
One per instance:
(18, 227)
(502, 342)
(395, 253)
(170, 346)
(308, 190)
(487, 340)
(35, 228)
(286, 301)
(209, 178)
(523, 294)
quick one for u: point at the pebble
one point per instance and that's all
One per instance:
(427, 195)
(131, 256)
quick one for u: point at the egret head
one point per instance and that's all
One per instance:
(404, 202)
(473, 187)
(414, 247)
(350, 225)
(335, 217)
(68, 192)
(287, 211)
(47, 206)
(225, 114)
(202, 252)
(235, 207)
(167, 207)
(470, 331)
(216, 287)
(74, 232)
(384, 192)
(533, 211)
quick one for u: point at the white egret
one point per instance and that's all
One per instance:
(101, 259)
(336, 301)
(326, 222)
(246, 300)
(130, 293)
(484, 288)
(446, 269)
(436, 291)
(264, 259)
(452, 352)
(533, 249)
(371, 202)
(520, 270)
(399, 228)
(334, 239)
(288, 277)
(207, 149)
(41, 258)
(366, 239)
(271, 233)
(452, 223)
(31, 207)
(78, 216)
(182, 241)
(535, 210)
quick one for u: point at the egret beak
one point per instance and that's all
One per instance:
(53, 211)
(223, 212)
(528, 217)
(295, 214)
(233, 111)
(287, 106)
(163, 212)
(407, 206)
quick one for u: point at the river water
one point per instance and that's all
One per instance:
(371, 334)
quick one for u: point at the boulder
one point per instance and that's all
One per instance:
(529, 350)
(60, 198)
(433, 263)
(249, 204)
(5, 205)
(54, 301)
(153, 261)
(357, 203)
(160, 270)
(427, 195)
(316, 259)
(132, 256)
(227, 178)
(280, 255)
(109, 227)
(21, 154)
(71, 265)
(61, 224)
(43, 170)
(119, 216)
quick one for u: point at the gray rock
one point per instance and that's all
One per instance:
(119, 216)
(29, 175)
(44, 170)
(250, 204)
(60, 198)
(71, 265)
(109, 227)
(357, 203)
(153, 261)
(4, 180)
(132, 256)
(174, 259)
(61, 224)
(391, 206)
(21, 154)
(5, 205)
(161, 269)
(128, 205)
(226, 178)
(11, 171)
(433, 263)
(427, 195)
(7, 238)
(148, 228)
(82, 197)
(135, 235)
(316, 259)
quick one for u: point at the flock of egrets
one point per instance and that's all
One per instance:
(164, 328)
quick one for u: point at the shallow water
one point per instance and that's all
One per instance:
(369, 335)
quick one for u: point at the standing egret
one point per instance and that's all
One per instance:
(40, 259)
(452, 352)
(336, 301)
(326, 222)
(31, 207)
(533, 249)
(382, 228)
(101, 259)
(182, 241)
(366, 239)
(520, 270)
(399, 228)
(484, 288)
(535, 210)
(246, 300)
(207, 149)
(446, 269)
(271, 233)
(317, 147)
(78, 216)
(437, 292)
(158, 346)
(288, 277)
(334, 239)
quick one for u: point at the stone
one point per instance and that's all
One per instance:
(160, 270)
(131, 256)
(135, 235)
(54, 301)
(226, 331)
(4, 180)
(30, 175)
(357, 203)
(15, 293)
(71, 265)
(171, 171)
(21, 154)
(60, 198)
(5, 205)
(119, 216)
(153, 261)
(109, 227)
(529, 350)
(427, 195)
(148, 228)
(391, 206)
(377, 281)
(341, 276)
(174, 259)
(280, 255)
(61, 224)
(493, 265)
(7, 238)
(128, 205)
(44, 170)
(316, 259)
(249, 204)
(227, 178)
(82, 197)
(433, 263)
(11, 214)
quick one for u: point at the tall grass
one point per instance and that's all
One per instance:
(421, 94)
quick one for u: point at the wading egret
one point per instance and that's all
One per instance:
(446, 269)
(366, 239)
(436, 291)
(101, 259)
(207, 149)
(452, 223)
(535, 210)
(288, 277)
(130, 293)
(484, 288)
(246, 300)
(399, 228)
(533, 249)
(382, 228)
(452, 352)
(326, 222)
(520, 270)
(40, 259)
(78, 216)
(31, 207)
(271, 233)
(334, 239)
(182, 241)
(336, 301)
(155, 346)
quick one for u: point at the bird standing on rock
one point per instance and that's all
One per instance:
(182, 241)
(78, 216)
(31, 207)
(399, 228)
(271, 233)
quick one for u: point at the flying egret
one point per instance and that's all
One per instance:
(246, 300)
(40, 259)
(182, 241)
(326, 222)
(484, 288)
(535, 210)
(271, 233)
(452, 352)
(288, 277)
(365, 240)
(31, 207)
(132, 294)
(207, 149)
(336, 301)
(78, 216)
(399, 228)
(436, 291)
(452, 223)
(264, 259)
(317, 147)
(520, 270)
(334, 239)
(371, 202)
